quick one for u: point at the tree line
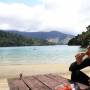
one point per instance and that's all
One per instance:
(82, 39)
(11, 39)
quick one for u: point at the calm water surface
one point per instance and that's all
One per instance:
(38, 54)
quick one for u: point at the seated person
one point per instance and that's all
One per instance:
(76, 74)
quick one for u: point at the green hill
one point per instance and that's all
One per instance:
(11, 39)
(82, 39)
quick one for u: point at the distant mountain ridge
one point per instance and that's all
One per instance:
(52, 36)
(10, 39)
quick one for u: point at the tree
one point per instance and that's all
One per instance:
(83, 39)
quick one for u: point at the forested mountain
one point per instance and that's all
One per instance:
(12, 39)
(82, 39)
(52, 36)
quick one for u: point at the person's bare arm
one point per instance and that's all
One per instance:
(88, 51)
(79, 57)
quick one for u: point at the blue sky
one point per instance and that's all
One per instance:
(68, 16)
(28, 2)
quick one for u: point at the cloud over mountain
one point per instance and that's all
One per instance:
(70, 15)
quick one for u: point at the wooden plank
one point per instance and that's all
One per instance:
(39, 82)
(82, 86)
(58, 78)
(16, 84)
(47, 81)
(64, 80)
(34, 84)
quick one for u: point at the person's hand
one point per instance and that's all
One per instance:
(79, 57)
(88, 51)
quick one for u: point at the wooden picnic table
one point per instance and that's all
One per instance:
(39, 82)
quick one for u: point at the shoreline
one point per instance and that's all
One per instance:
(13, 71)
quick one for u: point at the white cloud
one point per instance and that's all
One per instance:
(4, 26)
(72, 16)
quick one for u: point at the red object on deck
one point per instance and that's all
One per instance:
(65, 87)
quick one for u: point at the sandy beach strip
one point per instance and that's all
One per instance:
(10, 71)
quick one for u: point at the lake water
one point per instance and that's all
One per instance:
(38, 54)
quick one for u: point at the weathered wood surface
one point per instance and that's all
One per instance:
(58, 78)
(82, 86)
(17, 84)
(61, 80)
(39, 82)
(47, 81)
(35, 84)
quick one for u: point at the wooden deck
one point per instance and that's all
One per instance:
(39, 82)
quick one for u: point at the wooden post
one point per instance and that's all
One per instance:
(20, 76)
